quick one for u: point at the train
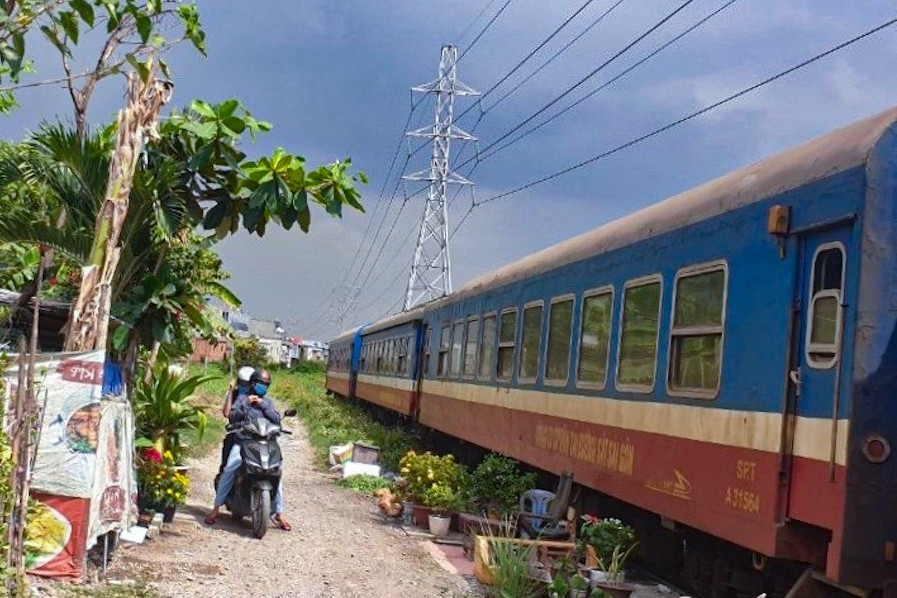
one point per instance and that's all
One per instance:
(722, 364)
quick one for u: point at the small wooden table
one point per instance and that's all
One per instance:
(474, 525)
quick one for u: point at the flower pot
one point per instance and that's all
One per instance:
(419, 515)
(578, 593)
(439, 524)
(407, 514)
(615, 589)
(168, 513)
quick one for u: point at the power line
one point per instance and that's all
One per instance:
(473, 22)
(484, 29)
(554, 56)
(528, 56)
(314, 313)
(622, 74)
(693, 115)
(544, 64)
(594, 72)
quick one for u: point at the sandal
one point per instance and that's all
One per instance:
(282, 522)
(210, 519)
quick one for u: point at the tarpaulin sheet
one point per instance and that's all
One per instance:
(85, 452)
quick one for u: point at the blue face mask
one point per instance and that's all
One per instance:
(260, 389)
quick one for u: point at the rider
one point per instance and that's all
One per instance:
(240, 387)
(249, 407)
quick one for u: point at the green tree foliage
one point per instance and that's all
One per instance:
(248, 351)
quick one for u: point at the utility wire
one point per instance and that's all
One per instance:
(594, 72)
(483, 30)
(487, 155)
(694, 114)
(313, 315)
(474, 22)
(552, 58)
(528, 56)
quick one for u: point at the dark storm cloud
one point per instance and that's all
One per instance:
(334, 79)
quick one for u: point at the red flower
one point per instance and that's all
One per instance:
(152, 454)
(53, 281)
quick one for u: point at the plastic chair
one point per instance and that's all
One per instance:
(542, 513)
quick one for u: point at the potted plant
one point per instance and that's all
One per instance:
(161, 487)
(164, 409)
(579, 586)
(442, 500)
(612, 543)
(421, 471)
(496, 484)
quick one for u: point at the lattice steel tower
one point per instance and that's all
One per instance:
(431, 275)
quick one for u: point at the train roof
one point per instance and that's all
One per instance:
(823, 156)
(397, 319)
(345, 335)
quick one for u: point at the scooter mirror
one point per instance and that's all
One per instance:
(289, 413)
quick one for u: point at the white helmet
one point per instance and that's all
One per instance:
(244, 373)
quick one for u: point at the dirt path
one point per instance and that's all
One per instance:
(339, 546)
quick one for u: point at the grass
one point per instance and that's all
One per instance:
(330, 420)
(211, 396)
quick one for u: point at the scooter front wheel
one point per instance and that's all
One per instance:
(261, 511)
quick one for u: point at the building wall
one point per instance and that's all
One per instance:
(204, 350)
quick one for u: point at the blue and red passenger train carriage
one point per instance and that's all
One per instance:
(724, 361)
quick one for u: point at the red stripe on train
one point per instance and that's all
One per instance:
(727, 491)
(385, 396)
(338, 385)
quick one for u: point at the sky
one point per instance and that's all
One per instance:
(334, 79)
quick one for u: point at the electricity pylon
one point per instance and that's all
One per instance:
(431, 275)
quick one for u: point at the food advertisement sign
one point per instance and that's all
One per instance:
(83, 476)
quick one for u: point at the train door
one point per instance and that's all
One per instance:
(818, 424)
(422, 354)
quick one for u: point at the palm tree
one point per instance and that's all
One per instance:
(70, 175)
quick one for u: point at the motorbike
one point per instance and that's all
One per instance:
(259, 474)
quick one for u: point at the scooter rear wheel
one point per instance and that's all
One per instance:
(261, 511)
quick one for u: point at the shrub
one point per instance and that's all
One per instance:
(424, 470)
(365, 484)
(497, 483)
(248, 351)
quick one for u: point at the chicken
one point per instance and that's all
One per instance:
(388, 503)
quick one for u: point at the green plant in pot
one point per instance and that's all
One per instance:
(496, 484)
(579, 586)
(443, 501)
(164, 408)
(423, 470)
(613, 543)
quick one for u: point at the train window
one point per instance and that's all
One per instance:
(457, 346)
(560, 331)
(638, 334)
(401, 352)
(531, 342)
(506, 344)
(594, 338)
(696, 338)
(470, 347)
(487, 347)
(825, 317)
(445, 343)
